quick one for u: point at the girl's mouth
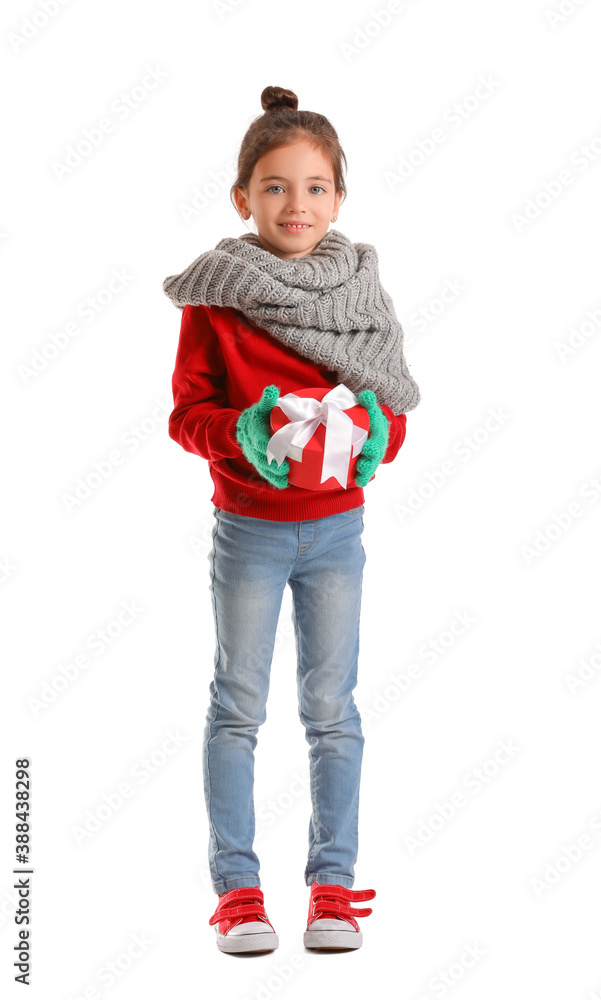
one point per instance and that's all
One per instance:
(291, 228)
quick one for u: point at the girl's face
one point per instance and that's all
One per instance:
(291, 184)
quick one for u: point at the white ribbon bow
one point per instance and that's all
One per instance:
(343, 439)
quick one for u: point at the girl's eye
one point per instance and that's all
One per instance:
(320, 188)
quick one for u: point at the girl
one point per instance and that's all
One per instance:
(294, 306)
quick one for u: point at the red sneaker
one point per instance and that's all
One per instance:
(242, 923)
(331, 922)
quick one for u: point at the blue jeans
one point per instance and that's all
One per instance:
(251, 561)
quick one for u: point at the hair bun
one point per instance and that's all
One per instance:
(278, 99)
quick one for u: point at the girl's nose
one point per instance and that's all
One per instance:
(295, 202)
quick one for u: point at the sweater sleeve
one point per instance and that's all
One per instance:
(201, 421)
(396, 434)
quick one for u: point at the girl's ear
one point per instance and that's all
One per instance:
(240, 200)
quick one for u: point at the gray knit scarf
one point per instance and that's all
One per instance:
(328, 306)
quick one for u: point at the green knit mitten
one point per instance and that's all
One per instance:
(374, 448)
(253, 431)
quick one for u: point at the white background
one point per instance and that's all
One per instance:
(490, 534)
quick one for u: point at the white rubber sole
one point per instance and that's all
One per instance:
(326, 933)
(247, 937)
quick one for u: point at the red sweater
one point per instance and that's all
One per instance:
(223, 363)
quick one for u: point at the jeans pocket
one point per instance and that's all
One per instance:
(355, 510)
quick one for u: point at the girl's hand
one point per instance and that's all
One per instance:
(374, 448)
(253, 431)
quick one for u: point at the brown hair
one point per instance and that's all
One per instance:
(281, 125)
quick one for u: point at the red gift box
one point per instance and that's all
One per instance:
(346, 426)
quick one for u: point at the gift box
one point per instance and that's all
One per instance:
(321, 432)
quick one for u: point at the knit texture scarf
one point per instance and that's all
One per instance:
(329, 306)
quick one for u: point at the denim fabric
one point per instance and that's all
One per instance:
(251, 561)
